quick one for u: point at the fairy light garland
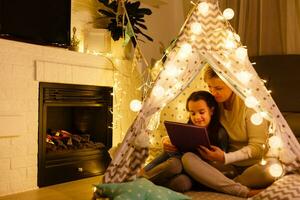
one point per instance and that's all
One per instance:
(238, 53)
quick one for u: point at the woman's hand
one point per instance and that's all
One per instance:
(167, 145)
(214, 154)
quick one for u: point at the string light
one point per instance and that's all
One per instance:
(158, 91)
(276, 170)
(229, 44)
(172, 70)
(135, 105)
(241, 53)
(228, 13)
(275, 142)
(185, 51)
(203, 7)
(196, 28)
(251, 102)
(263, 161)
(244, 76)
(256, 119)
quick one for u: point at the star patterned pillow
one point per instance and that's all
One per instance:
(141, 189)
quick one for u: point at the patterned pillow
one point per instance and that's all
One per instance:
(141, 189)
(286, 188)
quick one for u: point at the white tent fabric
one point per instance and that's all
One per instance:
(218, 46)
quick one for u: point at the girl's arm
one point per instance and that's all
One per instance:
(167, 145)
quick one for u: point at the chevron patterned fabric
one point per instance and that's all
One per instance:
(286, 188)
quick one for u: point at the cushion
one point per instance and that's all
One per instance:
(286, 188)
(206, 195)
(141, 188)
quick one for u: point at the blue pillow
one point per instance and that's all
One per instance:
(141, 189)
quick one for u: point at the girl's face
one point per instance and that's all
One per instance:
(219, 89)
(200, 113)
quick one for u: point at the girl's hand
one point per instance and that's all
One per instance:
(214, 154)
(167, 145)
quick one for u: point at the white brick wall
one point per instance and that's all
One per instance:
(22, 66)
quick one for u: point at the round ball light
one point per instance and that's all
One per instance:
(251, 102)
(229, 44)
(241, 53)
(185, 51)
(196, 28)
(256, 119)
(135, 105)
(275, 142)
(158, 91)
(228, 13)
(276, 170)
(203, 7)
(244, 76)
(172, 70)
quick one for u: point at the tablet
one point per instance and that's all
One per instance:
(187, 137)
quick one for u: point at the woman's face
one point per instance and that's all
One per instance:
(219, 89)
(200, 113)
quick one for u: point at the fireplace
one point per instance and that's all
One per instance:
(74, 132)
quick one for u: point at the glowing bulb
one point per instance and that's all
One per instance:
(185, 50)
(264, 114)
(172, 70)
(203, 7)
(158, 91)
(196, 28)
(135, 105)
(263, 162)
(229, 44)
(251, 102)
(228, 13)
(275, 142)
(256, 119)
(94, 189)
(241, 53)
(276, 170)
(244, 76)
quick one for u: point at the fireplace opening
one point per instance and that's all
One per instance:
(74, 132)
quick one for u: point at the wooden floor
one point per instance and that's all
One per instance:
(75, 190)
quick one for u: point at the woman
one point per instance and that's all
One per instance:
(245, 147)
(166, 169)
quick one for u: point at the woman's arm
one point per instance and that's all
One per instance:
(257, 137)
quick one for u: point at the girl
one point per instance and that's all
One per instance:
(166, 169)
(245, 148)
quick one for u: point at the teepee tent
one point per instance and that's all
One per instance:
(206, 38)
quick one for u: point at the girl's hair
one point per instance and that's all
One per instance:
(214, 124)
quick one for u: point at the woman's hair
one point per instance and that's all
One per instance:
(209, 73)
(214, 124)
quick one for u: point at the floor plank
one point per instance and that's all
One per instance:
(74, 190)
